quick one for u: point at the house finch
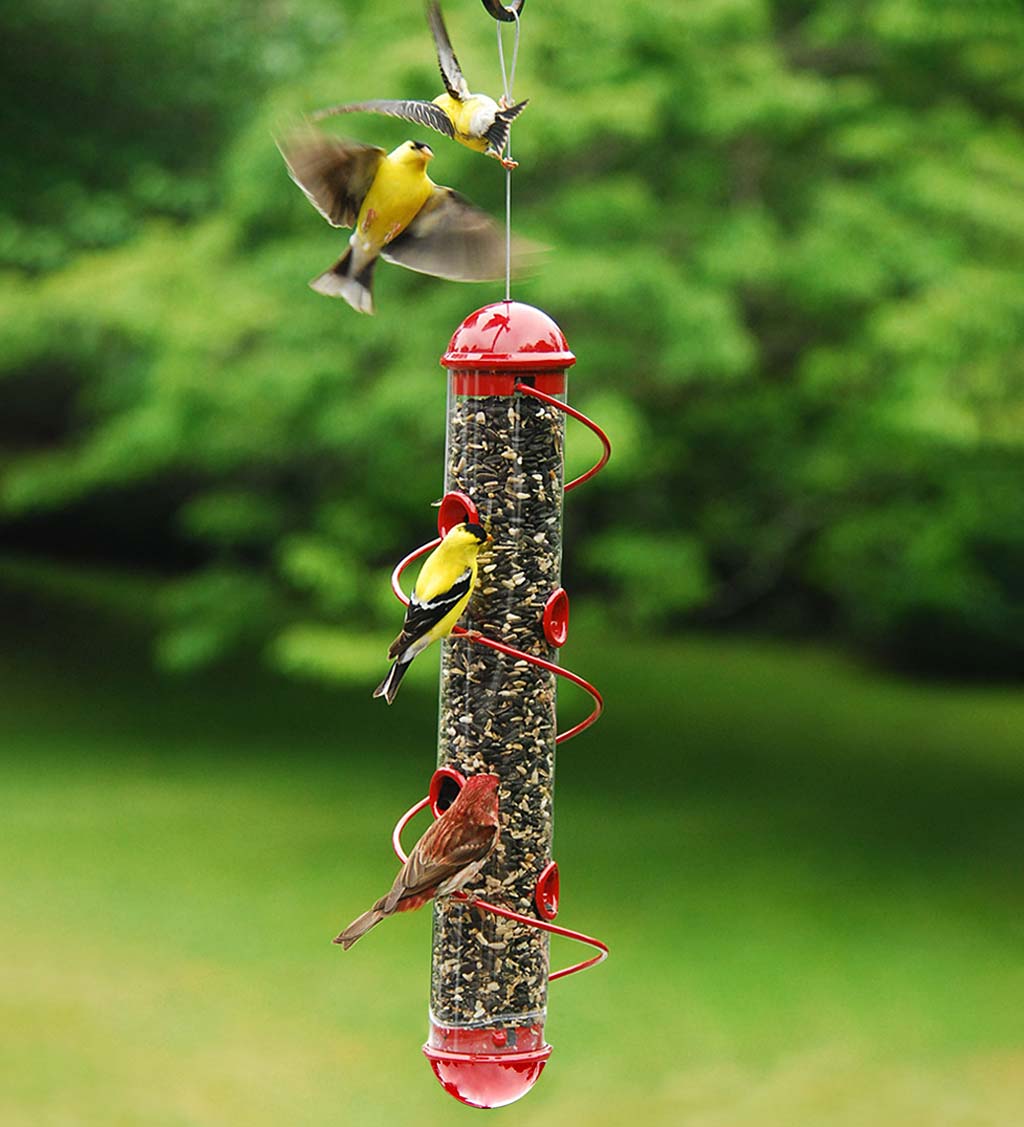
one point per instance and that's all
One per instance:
(449, 855)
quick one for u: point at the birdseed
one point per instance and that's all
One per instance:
(498, 712)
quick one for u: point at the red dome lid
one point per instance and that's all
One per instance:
(505, 336)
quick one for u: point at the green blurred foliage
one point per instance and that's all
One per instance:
(787, 248)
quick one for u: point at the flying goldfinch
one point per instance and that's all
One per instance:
(474, 120)
(448, 856)
(441, 594)
(398, 212)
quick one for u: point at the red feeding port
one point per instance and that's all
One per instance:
(547, 892)
(556, 617)
(444, 789)
(455, 508)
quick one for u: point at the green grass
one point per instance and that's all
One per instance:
(809, 876)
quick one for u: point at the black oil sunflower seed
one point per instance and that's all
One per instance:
(497, 711)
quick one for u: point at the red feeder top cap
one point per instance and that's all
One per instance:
(508, 336)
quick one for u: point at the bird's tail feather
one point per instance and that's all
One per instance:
(340, 281)
(389, 686)
(358, 928)
(498, 132)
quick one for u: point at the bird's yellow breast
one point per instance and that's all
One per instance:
(398, 192)
(441, 570)
(466, 117)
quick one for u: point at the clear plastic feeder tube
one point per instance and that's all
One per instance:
(505, 452)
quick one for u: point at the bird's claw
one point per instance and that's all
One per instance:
(508, 163)
(504, 103)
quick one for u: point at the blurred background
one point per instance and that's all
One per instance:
(787, 248)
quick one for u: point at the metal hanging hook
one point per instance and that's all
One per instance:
(500, 12)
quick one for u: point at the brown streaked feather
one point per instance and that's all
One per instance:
(448, 64)
(334, 174)
(448, 856)
(421, 113)
(358, 928)
(418, 875)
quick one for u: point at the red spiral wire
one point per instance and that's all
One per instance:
(479, 639)
(599, 465)
(495, 909)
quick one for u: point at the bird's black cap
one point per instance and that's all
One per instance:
(477, 530)
(421, 145)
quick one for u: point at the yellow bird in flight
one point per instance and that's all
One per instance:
(398, 212)
(474, 120)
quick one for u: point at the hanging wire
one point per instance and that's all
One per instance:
(508, 79)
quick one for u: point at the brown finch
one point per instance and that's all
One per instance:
(448, 856)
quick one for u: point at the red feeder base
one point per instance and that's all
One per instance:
(480, 1067)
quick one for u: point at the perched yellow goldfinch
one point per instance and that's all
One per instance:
(398, 212)
(474, 120)
(442, 591)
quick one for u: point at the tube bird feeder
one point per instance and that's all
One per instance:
(504, 452)
(504, 466)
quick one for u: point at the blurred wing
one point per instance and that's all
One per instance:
(423, 614)
(450, 238)
(334, 174)
(422, 113)
(423, 872)
(451, 72)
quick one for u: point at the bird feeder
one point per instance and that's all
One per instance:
(504, 466)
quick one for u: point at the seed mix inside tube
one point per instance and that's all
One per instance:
(498, 712)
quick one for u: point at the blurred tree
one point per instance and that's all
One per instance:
(788, 243)
(119, 110)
